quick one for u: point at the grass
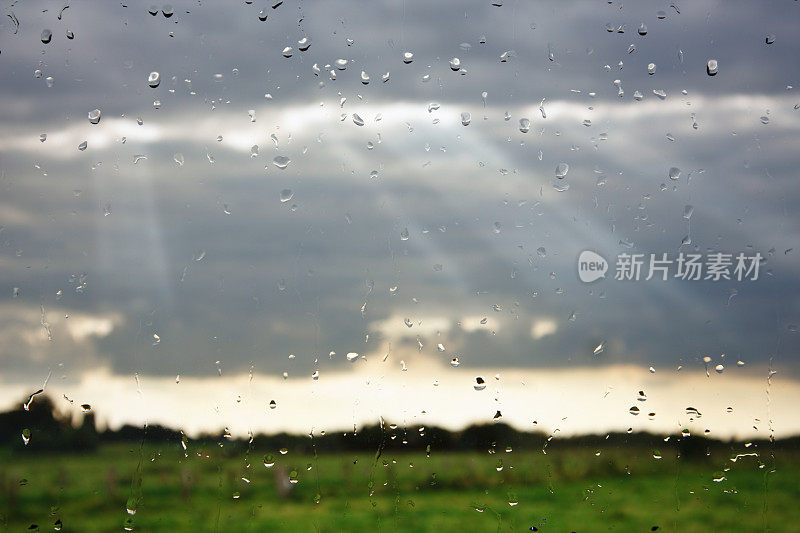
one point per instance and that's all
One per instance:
(210, 488)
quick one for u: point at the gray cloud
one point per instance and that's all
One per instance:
(161, 254)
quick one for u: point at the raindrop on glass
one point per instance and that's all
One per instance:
(281, 161)
(286, 195)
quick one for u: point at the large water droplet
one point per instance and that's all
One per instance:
(281, 161)
(408, 57)
(524, 125)
(47, 35)
(466, 118)
(674, 173)
(286, 195)
(94, 116)
(154, 79)
(561, 170)
(357, 120)
(455, 64)
(711, 67)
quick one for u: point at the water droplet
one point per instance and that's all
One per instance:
(178, 158)
(674, 173)
(70, 35)
(455, 64)
(385, 77)
(524, 125)
(138, 157)
(600, 348)
(304, 44)
(281, 161)
(687, 212)
(154, 79)
(561, 170)
(465, 118)
(455, 362)
(642, 29)
(357, 120)
(167, 11)
(287, 52)
(94, 116)
(43, 137)
(408, 57)
(480, 383)
(341, 64)
(651, 68)
(765, 120)
(364, 78)
(719, 369)
(634, 410)
(272, 404)
(352, 356)
(711, 67)
(770, 38)
(47, 35)
(82, 146)
(286, 195)
(262, 15)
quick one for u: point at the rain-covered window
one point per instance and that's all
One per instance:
(389, 265)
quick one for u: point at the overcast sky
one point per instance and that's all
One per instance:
(174, 244)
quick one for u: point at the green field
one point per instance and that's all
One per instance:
(570, 488)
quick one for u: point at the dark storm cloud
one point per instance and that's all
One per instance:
(269, 280)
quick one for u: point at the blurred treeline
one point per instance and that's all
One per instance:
(37, 425)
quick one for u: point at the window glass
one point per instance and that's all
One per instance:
(393, 265)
